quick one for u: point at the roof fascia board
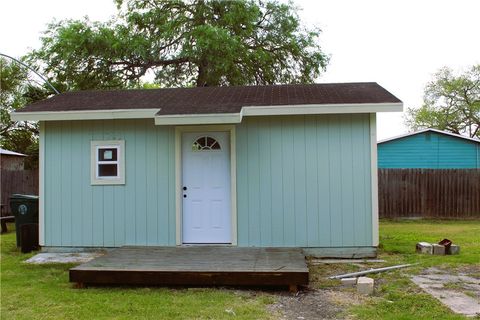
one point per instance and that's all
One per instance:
(454, 135)
(4, 152)
(84, 115)
(321, 109)
(189, 119)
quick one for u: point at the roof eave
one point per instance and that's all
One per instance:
(307, 109)
(191, 119)
(322, 109)
(212, 118)
(84, 115)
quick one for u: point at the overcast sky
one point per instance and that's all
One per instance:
(399, 44)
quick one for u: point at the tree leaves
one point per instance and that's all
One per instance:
(201, 43)
(451, 103)
(17, 88)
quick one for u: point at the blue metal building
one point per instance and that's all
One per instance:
(430, 149)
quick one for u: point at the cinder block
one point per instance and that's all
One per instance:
(349, 282)
(454, 249)
(365, 285)
(438, 249)
(424, 247)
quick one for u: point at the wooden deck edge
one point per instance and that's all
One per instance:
(167, 278)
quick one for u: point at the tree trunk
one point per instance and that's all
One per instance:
(202, 74)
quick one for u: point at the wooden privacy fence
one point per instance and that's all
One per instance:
(429, 193)
(17, 181)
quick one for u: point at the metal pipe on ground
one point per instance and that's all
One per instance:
(361, 273)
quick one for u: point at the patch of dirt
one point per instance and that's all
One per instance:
(314, 304)
(323, 299)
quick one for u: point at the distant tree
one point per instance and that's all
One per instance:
(18, 88)
(451, 103)
(183, 43)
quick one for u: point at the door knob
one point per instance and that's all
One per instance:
(185, 188)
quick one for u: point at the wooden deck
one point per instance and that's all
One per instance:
(196, 266)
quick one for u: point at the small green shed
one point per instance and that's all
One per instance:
(252, 166)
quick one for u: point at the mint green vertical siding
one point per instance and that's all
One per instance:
(301, 181)
(304, 181)
(141, 212)
(430, 150)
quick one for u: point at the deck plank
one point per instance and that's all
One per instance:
(195, 265)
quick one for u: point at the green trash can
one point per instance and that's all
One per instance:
(25, 209)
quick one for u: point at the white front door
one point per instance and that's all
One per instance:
(206, 187)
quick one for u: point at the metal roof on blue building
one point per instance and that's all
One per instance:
(430, 149)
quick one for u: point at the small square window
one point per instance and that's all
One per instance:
(108, 165)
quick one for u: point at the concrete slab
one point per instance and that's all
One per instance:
(81, 257)
(441, 286)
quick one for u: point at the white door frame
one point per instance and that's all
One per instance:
(178, 176)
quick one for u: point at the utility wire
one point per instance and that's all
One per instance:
(31, 69)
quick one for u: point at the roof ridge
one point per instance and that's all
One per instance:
(221, 87)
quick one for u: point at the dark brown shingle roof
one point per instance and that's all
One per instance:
(216, 99)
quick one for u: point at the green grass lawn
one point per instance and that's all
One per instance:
(398, 239)
(396, 296)
(43, 291)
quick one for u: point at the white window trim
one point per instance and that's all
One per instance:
(120, 146)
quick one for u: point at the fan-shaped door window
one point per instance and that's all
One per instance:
(206, 143)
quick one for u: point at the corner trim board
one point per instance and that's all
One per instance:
(374, 177)
(41, 179)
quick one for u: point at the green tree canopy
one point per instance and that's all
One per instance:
(18, 88)
(183, 43)
(451, 103)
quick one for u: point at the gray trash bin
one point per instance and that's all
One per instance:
(25, 209)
